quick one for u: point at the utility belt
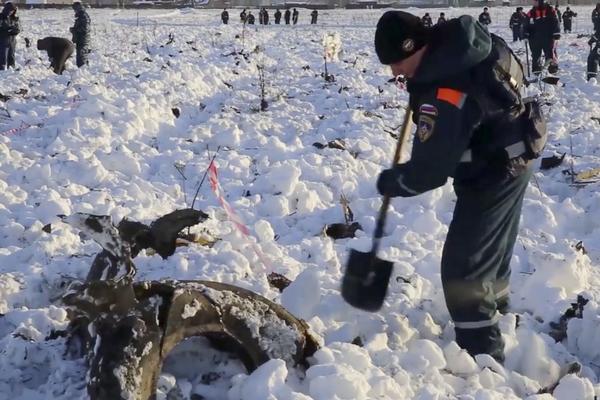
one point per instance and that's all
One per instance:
(532, 139)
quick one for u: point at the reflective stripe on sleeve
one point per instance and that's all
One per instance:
(400, 181)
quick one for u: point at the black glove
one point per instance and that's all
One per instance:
(387, 183)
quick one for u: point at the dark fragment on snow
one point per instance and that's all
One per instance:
(579, 247)
(552, 162)
(47, 228)
(332, 144)
(278, 281)
(342, 231)
(559, 329)
(176, 112)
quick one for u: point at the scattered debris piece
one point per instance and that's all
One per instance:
(342, 231)
(589, 176)
(559, 329)
(579, 247)
(573, 368)
(176, 112)
(552, 162)
(333, 144)
(278, 281)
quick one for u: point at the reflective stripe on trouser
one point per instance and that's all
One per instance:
(592, 62)
(478, 249)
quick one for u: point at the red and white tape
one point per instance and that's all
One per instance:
(73, 103)
(231, 214)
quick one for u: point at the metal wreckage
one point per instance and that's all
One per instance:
(126, 329)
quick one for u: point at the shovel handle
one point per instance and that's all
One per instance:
(527, 57)
(406, 125)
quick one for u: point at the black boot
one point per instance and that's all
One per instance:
(486, 340)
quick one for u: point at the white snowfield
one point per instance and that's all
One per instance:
(104, 140)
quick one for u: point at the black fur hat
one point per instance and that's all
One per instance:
(398, 36)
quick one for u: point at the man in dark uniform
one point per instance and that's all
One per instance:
(261, 17)
(485, 18)
(594, 56)
(442, 18)
(243, 16)
(295, 14)
(286, 16)
(427, 21)
(81, 34)
(58, 49)
(567, 18)
(277, 16)
(250, 18)
(225, 16)
(470, 127)
(313, 16)
(9, 29)
(265, 16)
(516, 24)
(543, 31)
(596, 18)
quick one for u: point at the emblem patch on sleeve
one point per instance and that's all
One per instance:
(425, 127)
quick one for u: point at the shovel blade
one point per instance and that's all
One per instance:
(366, 280)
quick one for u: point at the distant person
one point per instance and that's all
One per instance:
(567, 18)
(442, 18)
(243, 16)
(543, 31)
(81, 34)
(524, 22)
(594, 56)
(516, 24)
(250, 18)
(313, 17)
(58, 49)
(427, 21)
(225, 16)
(558, 13)
(485, 18)
(9, 29)
(596, 18)
(277, 16)
(295, 17)
(266, 16)
(286, 16)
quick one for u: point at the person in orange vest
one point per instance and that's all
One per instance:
(542, 32)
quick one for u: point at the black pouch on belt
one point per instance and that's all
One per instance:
(534, 130)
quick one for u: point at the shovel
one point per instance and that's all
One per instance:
(365, 281)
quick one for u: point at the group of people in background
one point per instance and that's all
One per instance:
(540, 26)
(58, 49)
(246, 17)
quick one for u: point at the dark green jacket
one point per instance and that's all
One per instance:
(81, 29)
(454, 113)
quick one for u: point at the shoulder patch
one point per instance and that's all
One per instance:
(428, 109)
(425, 127)
(452, 96)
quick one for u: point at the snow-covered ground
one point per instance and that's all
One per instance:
(104, 140)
